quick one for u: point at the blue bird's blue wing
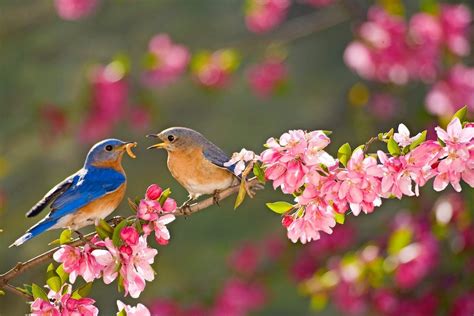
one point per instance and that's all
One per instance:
(89, 185)
(51, 196)
(215, 155)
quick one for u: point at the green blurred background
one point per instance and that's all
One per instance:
(44, 60)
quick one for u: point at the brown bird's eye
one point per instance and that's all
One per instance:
(108, 147)
(171, 138)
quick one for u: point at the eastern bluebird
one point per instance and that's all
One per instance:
(90, 194)
(195, 162)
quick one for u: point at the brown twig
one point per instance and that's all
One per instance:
(368, 143)
(22, 267)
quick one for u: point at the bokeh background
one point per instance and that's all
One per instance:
(50, 89)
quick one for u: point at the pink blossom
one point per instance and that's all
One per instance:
(457, 158)
(78, 261)
(264, 15)
(463, 305)
(360, 183)
(455, 21)
(162, 234)
(169, 205)
(245, 259)
(239, 298)
(309, 226)
(403, 136)
(451, 93)
(238, 160)
(129, 235)
(139, 310)
(75, 9)
(267, 78)
(41, 307)
(213, 69)
(169, 61)
(396, 179)
(148, 209)
(153, 192)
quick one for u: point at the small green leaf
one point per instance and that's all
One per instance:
(84, 290)
(116, 236)
(27, 289)
(258, 172)
(2, 293)
(419, 140)
(106, 226)
(102, 233)
(122, 313)
(326, 132)
(164, 195)
(344, 153)
(461, 113)
(63, 275)
(340, 218)
(280, 207)
(38, 293)
(54, 242)
(241, 195)
(52, 278)
(65, 237)
(392, 147)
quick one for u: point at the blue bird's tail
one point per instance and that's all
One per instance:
(34, 231)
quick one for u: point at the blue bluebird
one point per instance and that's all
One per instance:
(90, 194)
(195, 162)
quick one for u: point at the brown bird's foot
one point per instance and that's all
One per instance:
(216, 197)
(252, 188)
(186, 207)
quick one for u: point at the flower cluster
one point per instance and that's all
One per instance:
(213, 69)
(325, 188)
(166, 61)
(62, 302)
(75, 9)
(392, 50)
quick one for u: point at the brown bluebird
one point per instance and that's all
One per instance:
(195, 162)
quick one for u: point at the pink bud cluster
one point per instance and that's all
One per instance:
(62, 303)
(394, 51)
(298, 164)
(263, 15)
(268, 77)
(168, 61)
(75, 9)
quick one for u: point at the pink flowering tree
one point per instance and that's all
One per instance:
(393, 47)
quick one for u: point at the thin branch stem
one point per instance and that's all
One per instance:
(22, 267)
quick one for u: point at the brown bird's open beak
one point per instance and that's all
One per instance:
(128, 148)
(156, 146)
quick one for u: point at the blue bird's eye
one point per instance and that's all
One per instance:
(108, 147)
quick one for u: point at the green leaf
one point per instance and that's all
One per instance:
(102, 233)
(344, 153)
(393, 148)
(106, 226)
(27, 289)
(84, 290)
(65, 237)
(164, 195)
(52, 278)
(38, 293)
(461, 113)
(319, 301)
(419, 140)
(258, 172)
(241, 195)
(2, 293)
(326, 132)
(399, 239)
(122, 313)
(116, 236)
(280, 207)
(63, 275)
(340, 218)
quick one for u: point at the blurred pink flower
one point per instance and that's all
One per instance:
(267, 78)
(457, 158)
(213, 69)
(454, 91)
(383, 106)
(139, 310)
(75, 9)
(169, 61)
(239, 298)
(350, 298)
(463, 305)
(139, 118)
(455, 21)
(78, 261)
(263, 15)
(54, 120)
(164, 307)
(245, 259)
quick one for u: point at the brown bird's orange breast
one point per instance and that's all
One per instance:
(197, 174)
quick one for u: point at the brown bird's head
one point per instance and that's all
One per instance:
(178, 138)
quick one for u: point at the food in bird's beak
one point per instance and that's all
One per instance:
(128, 149)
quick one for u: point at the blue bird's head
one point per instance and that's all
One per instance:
(109, 153)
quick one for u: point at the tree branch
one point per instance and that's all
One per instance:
(22, 267)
